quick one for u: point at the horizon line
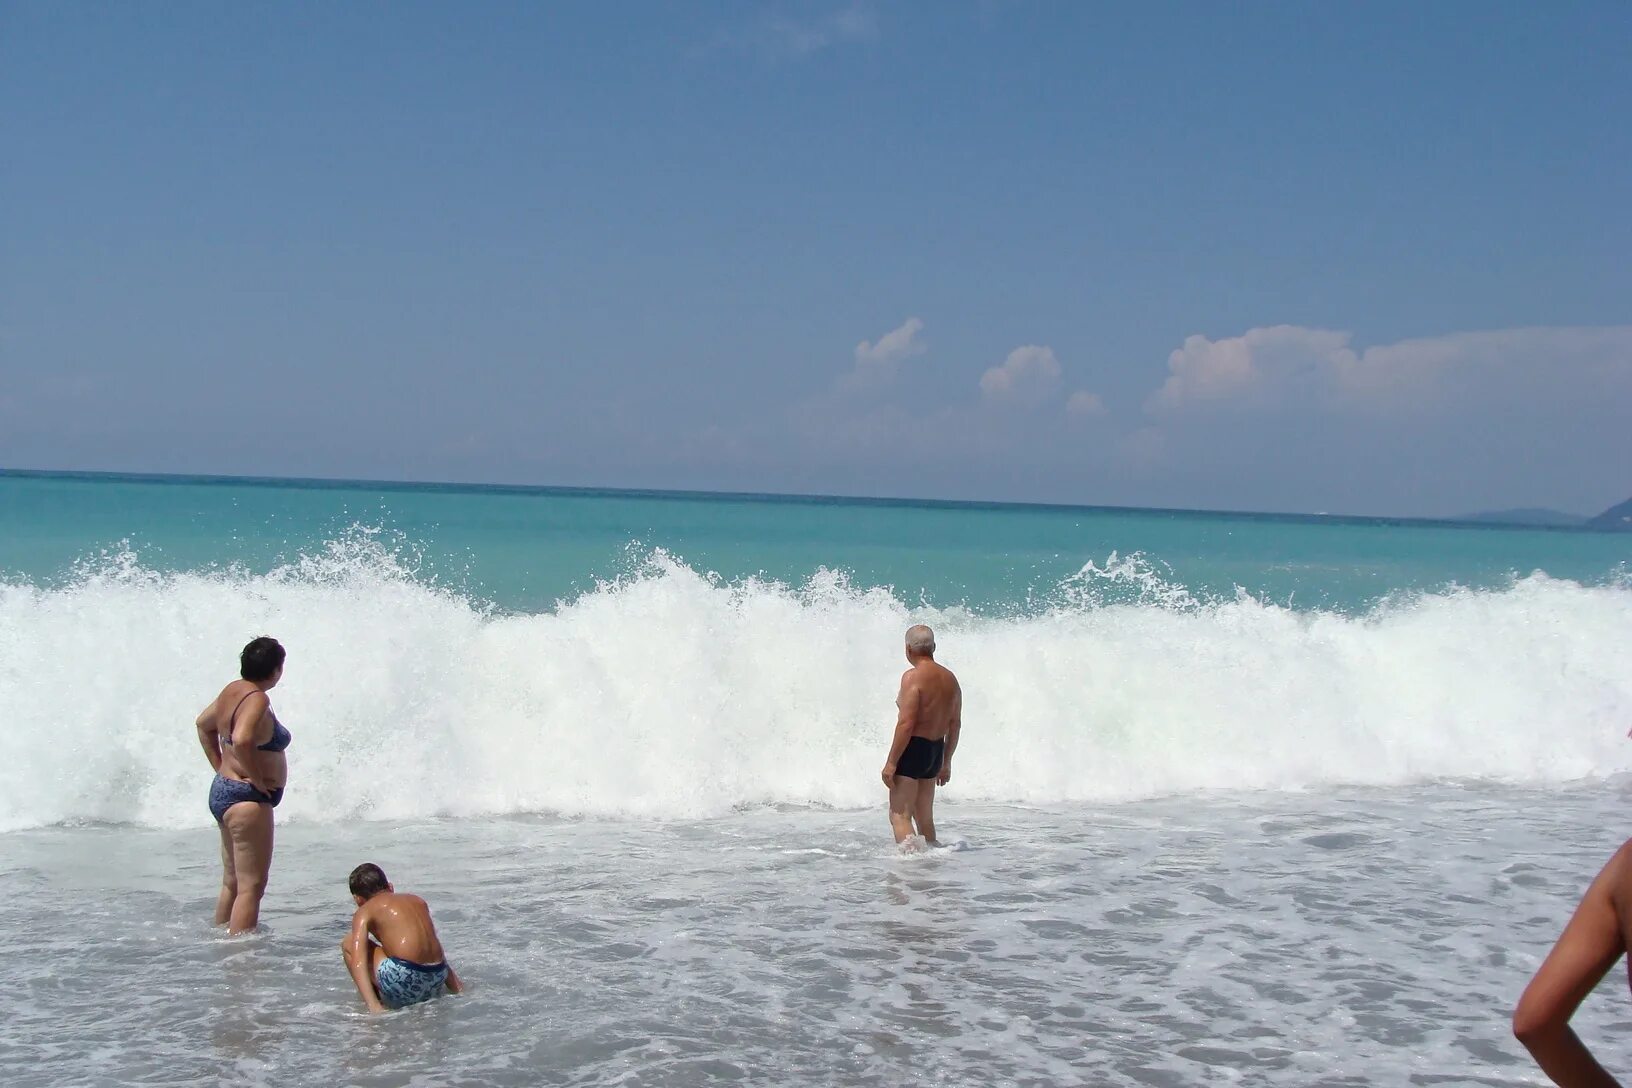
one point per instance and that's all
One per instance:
(337, 483)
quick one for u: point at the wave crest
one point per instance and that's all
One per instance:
(670, 692)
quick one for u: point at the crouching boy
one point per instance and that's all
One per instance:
(393, 952)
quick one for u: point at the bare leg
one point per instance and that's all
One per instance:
(903, 796)
(374, 953)
(923, 811)
(249, 825)
(229, 881)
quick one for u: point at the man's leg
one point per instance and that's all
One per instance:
(923, 811)
(903, 796)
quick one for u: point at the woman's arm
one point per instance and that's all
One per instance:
(207, 737)
(1586, 950)
(246, 723)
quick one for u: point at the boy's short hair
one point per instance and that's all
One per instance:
(260, 659)
(368, 880)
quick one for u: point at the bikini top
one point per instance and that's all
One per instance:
(280, 736)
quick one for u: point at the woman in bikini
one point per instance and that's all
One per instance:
(244, 742)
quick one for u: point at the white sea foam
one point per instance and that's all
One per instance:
(672, 693)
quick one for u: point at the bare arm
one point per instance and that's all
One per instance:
(1586, 950)
(359, 959)
(453, 984)
(954, 727)
(208, 739)
(245, 723)
(906, 720)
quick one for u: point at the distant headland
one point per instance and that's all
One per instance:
(1616, 518)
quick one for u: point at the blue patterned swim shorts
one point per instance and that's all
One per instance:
(404, 982)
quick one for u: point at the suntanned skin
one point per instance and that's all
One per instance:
(402, 926)
(246, 830)
(929, 705)
(1594, 939)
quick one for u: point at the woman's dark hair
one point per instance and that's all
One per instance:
(260, 659)
(368, 880)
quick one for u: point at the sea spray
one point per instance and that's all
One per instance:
(672, 693)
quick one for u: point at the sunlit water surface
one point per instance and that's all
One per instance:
(1344, 937)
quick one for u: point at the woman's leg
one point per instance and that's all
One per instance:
(249, 824)
(229, 880)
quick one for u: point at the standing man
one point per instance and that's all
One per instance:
(926, 735)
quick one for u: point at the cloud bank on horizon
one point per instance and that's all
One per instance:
(1296, 410)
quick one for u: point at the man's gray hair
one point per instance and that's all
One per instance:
(920, 639)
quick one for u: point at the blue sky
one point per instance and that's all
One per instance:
(1362, 258)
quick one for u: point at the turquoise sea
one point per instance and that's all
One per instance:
(1252, 799)
(526, 549)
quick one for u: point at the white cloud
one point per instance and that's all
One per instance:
(893, 346)
(1292, 417)
(1084, 405)
(876, 361)
(775, 36)
(1318, 368)
(1030, 372)
(1213, 370)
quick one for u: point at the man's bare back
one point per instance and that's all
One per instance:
(938, 695)
(928, 720)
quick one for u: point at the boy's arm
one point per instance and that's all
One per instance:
(359, 960)
(453, 984)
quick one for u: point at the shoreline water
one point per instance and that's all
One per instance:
(1318, 939)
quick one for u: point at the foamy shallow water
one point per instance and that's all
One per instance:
(1348, 937)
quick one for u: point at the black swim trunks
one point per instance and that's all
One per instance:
(922, 758)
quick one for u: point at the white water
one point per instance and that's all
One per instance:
(670, 694)
(1327, 939)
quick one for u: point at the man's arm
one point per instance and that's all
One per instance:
(954, 727)
(453, 984)
(246, 720)
(1586, 950)
(906, 719)
(359, 959)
